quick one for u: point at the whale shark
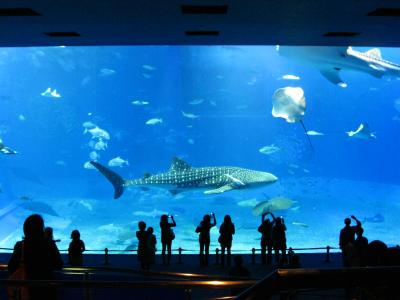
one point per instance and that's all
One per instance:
(331, 60)
(182, 176)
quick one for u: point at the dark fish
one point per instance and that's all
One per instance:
(39, 207)
(377, 218)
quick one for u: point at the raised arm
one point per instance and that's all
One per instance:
(173, 224)
(357, 221)
(215, 220)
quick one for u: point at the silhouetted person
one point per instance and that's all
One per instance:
(266, 237)
(76, 249)
(204, 237)
(167, 236)
(48, 234)
(279, 239)
(226, 231)
(346, 240)
(142, 251)
(151, 246)
(41, 257)
(238, 270)
(361, 248)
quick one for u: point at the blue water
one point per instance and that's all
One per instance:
(342, 176)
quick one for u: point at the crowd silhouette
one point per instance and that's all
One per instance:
(39, 256)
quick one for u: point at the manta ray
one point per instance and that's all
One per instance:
(331, 60)
(182, 176)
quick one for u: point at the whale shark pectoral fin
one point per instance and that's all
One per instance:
(235, 181)
(332, 75)
(220, 190)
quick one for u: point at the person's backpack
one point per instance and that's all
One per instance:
(19, 292)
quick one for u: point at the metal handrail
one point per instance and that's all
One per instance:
(214, 284)
(294, 279)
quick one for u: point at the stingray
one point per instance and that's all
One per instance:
(289, 103)
(363, 132)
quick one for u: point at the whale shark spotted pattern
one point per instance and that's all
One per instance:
(182, 176)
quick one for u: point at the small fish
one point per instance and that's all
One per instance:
(154, 213)
(140, 103)
(25, 198)
(213, 103)
(147, 76)
(88, 125)
(51, 93)
(86, 204)
(61, 163)
(118, 162)
(267, 150)
(190, 141)
(21, 118)
(296, 208)
(196, 101)
(154, 121)
(313, 133)
(99, 133)
(94, 156)
(189, 115)
(290, 77)
(100, 145)
(149, 68)
(88, 165)
(304, 225)
(306, 170)
(107, 72)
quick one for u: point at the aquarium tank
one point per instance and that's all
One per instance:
(308, 133)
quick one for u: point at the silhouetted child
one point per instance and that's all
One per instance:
(76, 249)
(361, 248)
(151, 246)
(167, 236)
(142, 251)
(346, 240)
(204, 237)
(266, 237)
(279, 240)
(226, 230)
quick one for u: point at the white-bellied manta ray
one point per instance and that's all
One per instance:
(182, 176)
(331, 60)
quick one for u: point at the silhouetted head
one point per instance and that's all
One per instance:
(207, 218)
(75, 234)
(34, 227)
(142, 226)
(376, 253)
(238, 260)
(347, 221)
(278, 221)
(150, 230)
(48, 233)
(227, 219)
(164, 219)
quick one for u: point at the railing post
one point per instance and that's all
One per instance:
(328, 258)
(179, 255)
(217, 256)
(253, 256)
(188, 293)
(290, 255)
(106, 257)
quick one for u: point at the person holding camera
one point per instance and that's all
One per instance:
(204, 237)
(347, 239)
(279, 239)
(226, 231)
(266, 237)
(167, 236)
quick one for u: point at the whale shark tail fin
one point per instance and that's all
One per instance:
(116, 180)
